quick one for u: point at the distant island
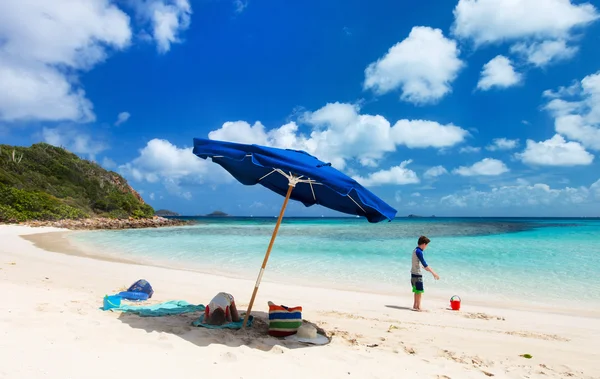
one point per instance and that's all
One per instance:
(217, 214)
(417, 216)
(166, 212)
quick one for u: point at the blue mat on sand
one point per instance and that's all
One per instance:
(231, 325)
(173, 307)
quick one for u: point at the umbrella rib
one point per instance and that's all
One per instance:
(312, 189)
(222, 156)
(358, 205)
(267, 175)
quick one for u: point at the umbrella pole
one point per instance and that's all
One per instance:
(264, 264)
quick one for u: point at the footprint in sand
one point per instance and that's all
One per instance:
(45, 307)
(179, 330)
(452, 356)
(344, 335)
(474, 361)
(483, 316)
(408, 349)
(228, 357)
(541, 336)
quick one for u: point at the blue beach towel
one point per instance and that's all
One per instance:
(173, 307)
(231, 325)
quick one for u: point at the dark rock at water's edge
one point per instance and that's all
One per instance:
(217, 214)
(109, 223)
(165, 212)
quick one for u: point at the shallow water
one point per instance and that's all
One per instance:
(545, 260)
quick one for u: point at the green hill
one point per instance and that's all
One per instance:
(43, 182)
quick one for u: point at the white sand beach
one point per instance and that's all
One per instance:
(51, 326)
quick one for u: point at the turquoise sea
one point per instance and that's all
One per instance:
(542, 261)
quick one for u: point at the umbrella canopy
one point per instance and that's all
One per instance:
(296, 175)
(315, 182)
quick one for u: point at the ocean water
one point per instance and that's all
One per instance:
(542, 261)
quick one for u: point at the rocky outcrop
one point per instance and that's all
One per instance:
(109, 223)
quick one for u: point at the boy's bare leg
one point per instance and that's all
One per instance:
(417, 305)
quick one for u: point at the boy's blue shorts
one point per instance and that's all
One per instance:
(416, 282)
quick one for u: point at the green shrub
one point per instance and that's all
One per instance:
(7, 214)
(50, 183)
(118, 213)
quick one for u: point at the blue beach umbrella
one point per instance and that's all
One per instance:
(296, 175)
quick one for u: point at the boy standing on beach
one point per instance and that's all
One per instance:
(416, 279)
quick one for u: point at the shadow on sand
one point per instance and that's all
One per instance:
(400, 308)
(255, 337)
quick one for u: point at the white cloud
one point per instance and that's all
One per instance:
(555, 152)
(398, 196)
(152, 196)
(108, 163)
(167, 19)
(241, 132)
(240, 5)
(575, 127)
(339, 134)
(542, 53)
(160, 158)
(576, 111)
(595, 189)
(434, 172)
(122, 117)
(521, 195)
(499, 73)
(44, 45)
(490, 21)
(161, 161)
(415, 194)
(485, 167)
(539, 29)
(562, 91)
(399, 175)
(469, 149)
(74, 140)
(503, 144)
(423, 66)
(421, 134)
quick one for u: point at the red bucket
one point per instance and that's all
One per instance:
(455, 303)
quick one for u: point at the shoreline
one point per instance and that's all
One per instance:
(52, 311)
(58, 242)
(104, 223)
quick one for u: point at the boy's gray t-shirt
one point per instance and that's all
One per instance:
(417, 261)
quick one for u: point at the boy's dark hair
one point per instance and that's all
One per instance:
(423, 240)
(217, 317)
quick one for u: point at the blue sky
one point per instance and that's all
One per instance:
(454, 108)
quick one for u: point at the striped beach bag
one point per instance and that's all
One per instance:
(284, 321)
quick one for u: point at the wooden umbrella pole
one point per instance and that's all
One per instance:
(264, 264)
